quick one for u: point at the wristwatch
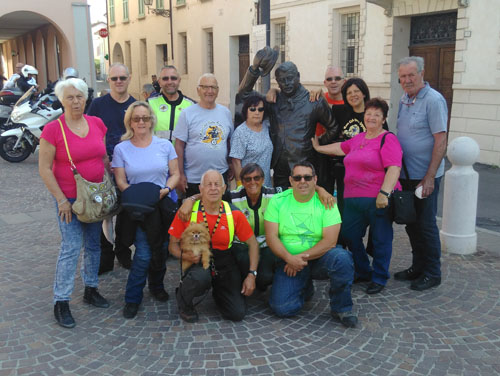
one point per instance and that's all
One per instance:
(388, 195)
(253, 272)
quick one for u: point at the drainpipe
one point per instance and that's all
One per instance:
(265, 11)
(171, 30)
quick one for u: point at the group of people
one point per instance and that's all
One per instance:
(24, 78)
(280, 226)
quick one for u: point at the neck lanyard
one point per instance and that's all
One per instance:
(216, 222)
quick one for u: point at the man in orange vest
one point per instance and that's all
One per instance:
(223, 221)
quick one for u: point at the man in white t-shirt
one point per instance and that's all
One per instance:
(11, 82)
(202, 137)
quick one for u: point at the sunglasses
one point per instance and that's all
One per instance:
(253, 109)
(208, 87)
(248, 179)
(172, 78)
(300, 177)
(121, 78)
(145, 119)
(336, 78)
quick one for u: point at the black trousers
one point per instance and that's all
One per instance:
(121, 251)
(226, 286)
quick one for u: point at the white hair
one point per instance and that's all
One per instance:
(419, 61)
(120, 65)
(206, 75)
(77, 83)
(211, 170)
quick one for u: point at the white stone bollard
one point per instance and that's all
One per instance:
(458, 230)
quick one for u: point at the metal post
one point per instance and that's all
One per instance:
(265, 12)
(458, 230)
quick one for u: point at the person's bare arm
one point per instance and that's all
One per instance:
(45, 160)
(179, 149)
(326, 198)
(121, 178)
(390, 180)
(173, 178)
(237, 169)
(186, 208)
(334, 148)
(438, 153)
(329, 240)
(248, 286)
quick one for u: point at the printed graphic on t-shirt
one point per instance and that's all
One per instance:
(212, 133)
(304, 226)
(352, 128)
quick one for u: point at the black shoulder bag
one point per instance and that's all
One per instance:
(402, 202)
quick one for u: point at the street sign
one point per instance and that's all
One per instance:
(103, 33)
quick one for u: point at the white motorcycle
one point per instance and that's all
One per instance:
(27, 120)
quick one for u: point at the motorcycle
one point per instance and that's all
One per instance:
(26, 121)
(8, 97)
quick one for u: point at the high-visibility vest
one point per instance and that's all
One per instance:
(229, 217)
(164, 126)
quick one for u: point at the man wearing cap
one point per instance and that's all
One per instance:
(224, 222)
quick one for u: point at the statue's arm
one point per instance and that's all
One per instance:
(248, 82)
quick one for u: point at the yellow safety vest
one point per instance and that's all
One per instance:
(229, 217)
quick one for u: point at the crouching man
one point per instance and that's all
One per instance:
(303, 234)
(223, 222)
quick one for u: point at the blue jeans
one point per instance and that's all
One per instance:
(424, 234)
(74, 236)
(359, 213)
(288, 293)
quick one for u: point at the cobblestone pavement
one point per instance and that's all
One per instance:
(450, 330)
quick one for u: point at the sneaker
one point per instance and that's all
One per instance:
(160, 295)
(63, 315)
(92, 296)
(425, 283)
(130, 310)
(348, 319)
(407, 275)
(186, 312)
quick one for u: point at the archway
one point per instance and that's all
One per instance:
(117, 54)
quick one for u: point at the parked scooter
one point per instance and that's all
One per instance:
(8, 98)
(27, 120)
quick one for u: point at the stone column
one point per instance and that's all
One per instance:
(458, 230)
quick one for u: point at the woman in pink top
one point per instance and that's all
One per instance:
(85, 136)
(372, 174)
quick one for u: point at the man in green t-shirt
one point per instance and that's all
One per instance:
(303, 234)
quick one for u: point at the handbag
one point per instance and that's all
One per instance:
(94, 201)
(402, 202)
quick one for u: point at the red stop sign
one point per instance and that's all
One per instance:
(103, 33)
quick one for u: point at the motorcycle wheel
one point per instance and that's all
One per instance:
(10, 154)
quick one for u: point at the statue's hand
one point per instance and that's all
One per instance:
(265, 59)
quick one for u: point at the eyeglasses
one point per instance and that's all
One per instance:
(121, 78)
(172, 78)
(300, 177)
(145, 119)
(205, 87)
(336, 78)
(248, 179)
(253, 109)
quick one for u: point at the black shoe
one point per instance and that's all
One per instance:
(374, 288)
(425, 283)
(160, 295)
(361, 279)
(92, 296)
(348, 319)
(130, 310)
(407, 275)
(63, 315)
(187, 313)
(105, 267)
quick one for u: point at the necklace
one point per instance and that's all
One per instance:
(216, 222)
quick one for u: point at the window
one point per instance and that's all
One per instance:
(350, 43)
(112, 12)
(125, 10)
(128, 56)
(181, 2)
(159, 4)
(143, 57)
(141, 8)
(184, 53)
(279, 40)
(210, 51)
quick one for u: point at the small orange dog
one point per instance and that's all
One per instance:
(196, 239)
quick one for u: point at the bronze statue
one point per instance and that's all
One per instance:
(293, 117)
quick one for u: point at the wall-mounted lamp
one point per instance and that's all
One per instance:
(13, 53)
(158, 12)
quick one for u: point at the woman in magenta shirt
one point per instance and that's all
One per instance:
(85, 137)
(371, 175)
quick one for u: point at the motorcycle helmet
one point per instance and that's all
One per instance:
(70, 73)
(28, 69)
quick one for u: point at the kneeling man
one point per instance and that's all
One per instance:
(303, 234)
(223, 222)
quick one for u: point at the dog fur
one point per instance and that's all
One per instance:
(196, 239)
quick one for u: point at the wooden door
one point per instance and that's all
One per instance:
(439, 67)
